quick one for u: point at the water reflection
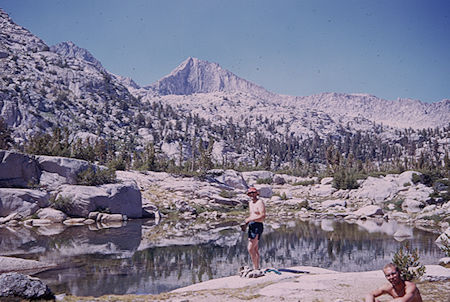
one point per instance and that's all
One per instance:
(141, 257)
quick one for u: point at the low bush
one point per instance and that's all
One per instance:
(63, 204)
(227, 194)
(345, 179)
(445, 245)
(407, 261)
(304, 183)
(266, 181)
(95, 176)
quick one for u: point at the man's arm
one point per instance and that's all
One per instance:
(376, 293)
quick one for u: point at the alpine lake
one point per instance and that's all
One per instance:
(151, 257)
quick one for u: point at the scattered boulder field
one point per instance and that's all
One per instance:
(43, 190)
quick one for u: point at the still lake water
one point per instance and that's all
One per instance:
(134, 259)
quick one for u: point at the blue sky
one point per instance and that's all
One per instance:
(389, 48)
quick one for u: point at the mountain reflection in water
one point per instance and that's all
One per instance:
(134, 259)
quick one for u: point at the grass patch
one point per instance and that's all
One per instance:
(62, 203)
(227, 194)
(397, 205)
(304, 183)
(265, 181)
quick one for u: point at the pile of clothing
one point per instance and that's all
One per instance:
(247, 272)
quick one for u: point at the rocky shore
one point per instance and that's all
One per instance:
(29, 197)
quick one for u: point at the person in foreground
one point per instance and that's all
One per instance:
(257, 214)
(399, 289)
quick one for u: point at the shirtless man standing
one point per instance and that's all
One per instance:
(400, 290)
(257, 214)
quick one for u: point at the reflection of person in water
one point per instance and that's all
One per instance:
(257, 214)
(399, 289)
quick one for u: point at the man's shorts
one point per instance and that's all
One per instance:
(255, 229)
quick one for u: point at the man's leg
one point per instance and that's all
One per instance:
(253, 251)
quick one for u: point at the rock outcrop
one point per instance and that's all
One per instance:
(29, 183)
(66, 168)
(122, 198)
(15, 285)
(23, 201)
(18, 169)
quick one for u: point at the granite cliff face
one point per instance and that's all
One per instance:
(41, 89)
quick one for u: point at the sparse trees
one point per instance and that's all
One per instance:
(5, 135)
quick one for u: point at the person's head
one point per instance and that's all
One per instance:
(252, 192)
(392, 273)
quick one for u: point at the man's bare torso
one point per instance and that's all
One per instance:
(255, 209)
(401, 292)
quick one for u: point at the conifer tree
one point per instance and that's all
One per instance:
(5, 135)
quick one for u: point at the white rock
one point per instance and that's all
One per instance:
(334, 203)
(10, 217)
(370, 210)
(412, 205)
(121, 198)
(53, 215)
(326, 181)
(322, 190)
(23, 201)
(375, 189)
(265, 191)
(444, 236)
(17, 169)
(74, 221)
(68, 168)
(230, 178)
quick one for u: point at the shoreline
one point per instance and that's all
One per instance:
(319, 285)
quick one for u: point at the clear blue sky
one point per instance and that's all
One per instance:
(388, 48)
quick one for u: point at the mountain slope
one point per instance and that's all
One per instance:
(195, 77)
(199, 101)
(70, 50)
(41, 89)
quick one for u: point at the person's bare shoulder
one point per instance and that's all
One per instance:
(386, 288)
(410, 284)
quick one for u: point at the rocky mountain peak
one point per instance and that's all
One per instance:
(16, 38)
(70, 50)
(198, 76)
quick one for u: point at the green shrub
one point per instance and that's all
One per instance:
(267, 181)
(415, 178)
(227, 194)
(95, 176)
(61, 203)
(407, 261)
(407, 184)
(117, 164)
(345, 179)
(304, 183)
(445, 245)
